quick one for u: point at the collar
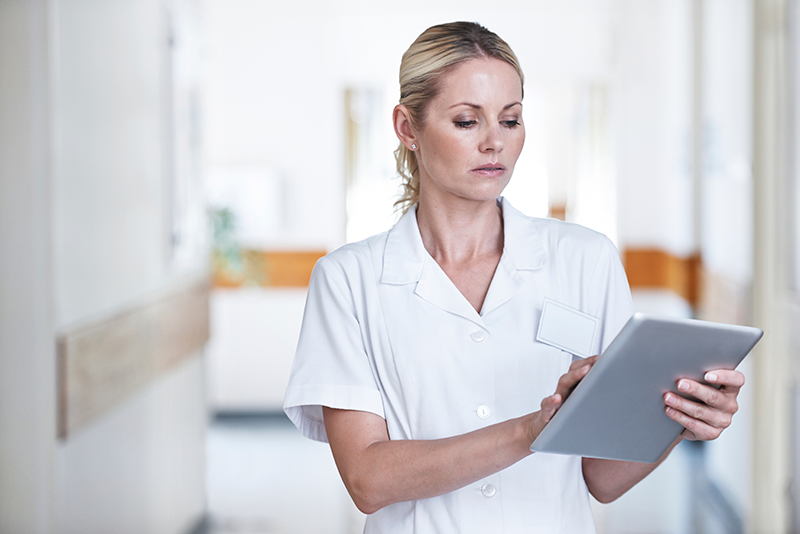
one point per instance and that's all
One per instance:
(522, 239)
(405, 256)
(406, 261)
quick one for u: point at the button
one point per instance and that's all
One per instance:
(484, 411)
(477, 336)
(488, 490)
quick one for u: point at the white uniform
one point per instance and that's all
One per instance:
(386, 331)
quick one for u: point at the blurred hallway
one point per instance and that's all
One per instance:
(170, 170)
(265, 478)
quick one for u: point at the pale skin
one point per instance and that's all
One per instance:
(472, 136)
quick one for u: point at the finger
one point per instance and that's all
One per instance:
(583, 361)
(688, 434)
(696, 429)
(730, 379)
(578, 369)
(698, 411)
(570, 379)
(720, 399)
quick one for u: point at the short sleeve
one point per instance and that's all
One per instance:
(610, 282)
(331, 366)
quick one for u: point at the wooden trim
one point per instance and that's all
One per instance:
(270, 268)
(651, 268)
(102, 364)
(558, 211)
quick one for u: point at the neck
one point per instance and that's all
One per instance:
(456, 233)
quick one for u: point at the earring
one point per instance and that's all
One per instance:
(413, 147)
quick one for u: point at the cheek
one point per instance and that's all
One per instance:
(515, 145)
(444, 152)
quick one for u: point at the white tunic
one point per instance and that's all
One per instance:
(386, 331)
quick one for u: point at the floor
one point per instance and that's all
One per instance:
(265, 478)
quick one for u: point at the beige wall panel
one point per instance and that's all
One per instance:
(102, 364)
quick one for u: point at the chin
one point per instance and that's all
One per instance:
(489, 194)
(488, 197)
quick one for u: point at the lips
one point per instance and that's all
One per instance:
(490, 169)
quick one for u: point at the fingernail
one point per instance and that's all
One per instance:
(711, 377)
(669, 399)
(683, 385)
(670, 411)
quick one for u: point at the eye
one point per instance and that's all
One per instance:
(511, 124)
(464, 124)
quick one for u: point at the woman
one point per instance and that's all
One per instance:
(417, 360)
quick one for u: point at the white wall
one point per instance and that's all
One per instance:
(727, 119)
(82, 235)
(27, 350)
(728, 208)
(140, 467)
(249, 356)
(653, 124)
(108, 198)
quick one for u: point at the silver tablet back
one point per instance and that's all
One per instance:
(617, 411)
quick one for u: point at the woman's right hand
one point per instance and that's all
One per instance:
(566, 384)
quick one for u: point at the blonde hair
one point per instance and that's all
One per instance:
(436, 52)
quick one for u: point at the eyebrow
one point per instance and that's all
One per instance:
(477, 106)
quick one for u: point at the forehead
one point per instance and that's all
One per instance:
(481, 81)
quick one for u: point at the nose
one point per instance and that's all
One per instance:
(493, 140)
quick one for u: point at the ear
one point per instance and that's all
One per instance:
(402, 126)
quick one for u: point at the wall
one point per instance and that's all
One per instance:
(140, 467)
(775, 305)
(727, 225)
(83, 235)
(249, 357)
(652, 111)
(27, 351)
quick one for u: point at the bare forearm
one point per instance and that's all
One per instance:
(608, 480)
(391, 471)
(378, 471)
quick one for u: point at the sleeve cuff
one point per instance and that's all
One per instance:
(303, 405)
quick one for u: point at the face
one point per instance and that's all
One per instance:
(473, 133)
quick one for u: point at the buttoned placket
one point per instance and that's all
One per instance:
(407, 261)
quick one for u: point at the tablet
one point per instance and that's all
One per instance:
(617, 410)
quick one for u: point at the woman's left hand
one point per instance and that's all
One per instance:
(705, 420)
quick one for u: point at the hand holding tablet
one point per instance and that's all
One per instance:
(618, 410)
(705, 420)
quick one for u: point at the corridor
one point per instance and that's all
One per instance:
(171, 170)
